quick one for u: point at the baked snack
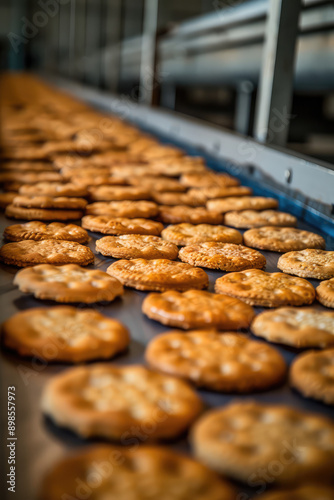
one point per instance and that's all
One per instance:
(223, 205)
(113, 193)
(190, 234)
(68, 283)
(29, 177)
(68, 203)
(53, 189)
(312, 374)
(245, 219)
(136, 246)
(193, 215)
(325, 293)
(227, 362)
(99, 179)
(130, 209)
(172, 199)
(107, 401)
(158, 471)
(224, 256)
(158, 274)
(304, 327)
(121, 225)
(243, 439)
(15, 212)
(158, 184)
(198, 309)
(208, 178)
(64, 333)
(175, 169)
(282, 239)
(309, 263)
(38, 231)
(315, 491)
(259, 288)
(56, 252)
(212, 192)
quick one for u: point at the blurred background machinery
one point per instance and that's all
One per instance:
(263, 68)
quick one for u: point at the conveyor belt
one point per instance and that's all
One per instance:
(39, 442)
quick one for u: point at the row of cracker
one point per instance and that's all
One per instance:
(203, 446)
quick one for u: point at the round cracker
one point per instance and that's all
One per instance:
(189, 234)
(304, 327)
(198, 309)
(245, 219)
(160, 471)
(68, 283)
(38, 231)
(121, 225)
(158, 274)
(325, 293)
(226, 362)
(312, 374)
(282, 239)
(136, 246)
(64, 333)
(243, 439)
(224, 256)
(106, 401)
(258, 288)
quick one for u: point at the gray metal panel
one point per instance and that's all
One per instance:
(277, 71)
(315, 60)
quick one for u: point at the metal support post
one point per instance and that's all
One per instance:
(276, 81)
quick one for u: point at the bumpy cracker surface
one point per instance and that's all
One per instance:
(158, 274)
(107, 401)
(38, 231)
(64, 333)
(157, 471)
(121, 225)
(325, 293)
(57, 252)
(312, 374)
(303, 327)
(113, 193)
(193, 215)
(173, 199)
(208, 179)
(243, 439)
(130, 209)
(136, 246)
(224, 205)
(15, 212)
(259, 288)
(254, 218)
(309, 263)
(224, 256)
(226, 362)
(220, 192)
(69, 203)
(53, 189)
(198, 309)
(68, 283)
(189, 234)
(282, 239)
